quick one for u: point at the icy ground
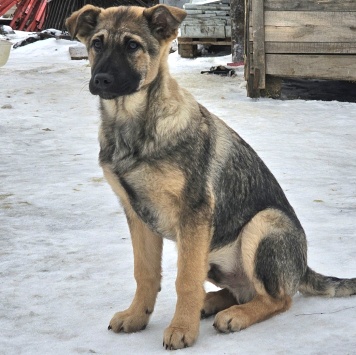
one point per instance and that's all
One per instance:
(65, 253)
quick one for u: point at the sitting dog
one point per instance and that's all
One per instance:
(181, 173)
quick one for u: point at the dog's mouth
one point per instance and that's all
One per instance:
(111, 95)
(107, 96)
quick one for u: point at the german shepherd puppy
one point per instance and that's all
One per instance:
(181, 173)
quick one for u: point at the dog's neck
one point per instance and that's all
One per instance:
(158, 104)
(148, 121)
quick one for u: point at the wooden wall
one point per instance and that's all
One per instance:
(301, 38)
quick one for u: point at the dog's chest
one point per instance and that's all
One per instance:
(152, 191)
(120, 147)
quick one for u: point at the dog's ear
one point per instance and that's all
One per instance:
(82, 22)
(164, 20)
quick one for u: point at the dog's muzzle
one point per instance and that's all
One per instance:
(108, 87)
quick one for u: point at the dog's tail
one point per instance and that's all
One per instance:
(314, 284)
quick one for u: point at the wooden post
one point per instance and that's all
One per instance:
(237, 14)
(258, 35)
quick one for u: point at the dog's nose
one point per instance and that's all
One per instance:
(103, 81)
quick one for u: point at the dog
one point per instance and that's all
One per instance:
(181, 173)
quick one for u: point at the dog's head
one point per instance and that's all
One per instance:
(126, 44)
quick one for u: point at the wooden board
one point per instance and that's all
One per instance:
(310, 5)
(78, 53)
(320, 34)
(213, 21)
(310, 48)
(212, 41)
(203, 31)
(309, 33)
(258, 35)
(309, 26)
(237, 30)
(340, 67)
(201, 7)
(302, 39)
(311, 18)
(187, 50)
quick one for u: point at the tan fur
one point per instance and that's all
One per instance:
(163, 187)
(193, 247)
(229, 259)
(111, 178)
(147, 249)
(260, 308)
(258, 228)
(217, 301)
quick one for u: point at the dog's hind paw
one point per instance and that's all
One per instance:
(229, 321)
(217, 301)
(128, 322)
(179, 337)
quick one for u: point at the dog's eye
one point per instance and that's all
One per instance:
(97, 45)
(132, 46)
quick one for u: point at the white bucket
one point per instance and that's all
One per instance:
(5, 47)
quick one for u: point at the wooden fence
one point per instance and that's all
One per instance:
(298, 39)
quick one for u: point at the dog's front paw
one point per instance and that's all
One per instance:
(229, 320)
(128, 322)
(179, 337)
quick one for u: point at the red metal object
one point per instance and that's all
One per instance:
(6, 5)
(29, 15)
(40, 14)
(41, 10)
(19, 13)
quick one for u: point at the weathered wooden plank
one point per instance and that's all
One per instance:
(310, 5)
(228, 32)
(341, 67)
(308, 34)
(78, 53)
(213, 41)
(258, 35)
(187, 50)
(311, 18)
(193, 12)
(196, 31)
(218, 13)
(212, 12)
(310, 47)
(201, 16)
(207, 22)
(247, 44)
(206, 7)
(235, 30)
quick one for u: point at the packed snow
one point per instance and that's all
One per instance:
(65, 252)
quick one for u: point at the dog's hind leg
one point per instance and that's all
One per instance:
(217, 301)
(147, 248)
(273, 250)
(242, 316)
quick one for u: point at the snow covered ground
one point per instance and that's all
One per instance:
(65, 252)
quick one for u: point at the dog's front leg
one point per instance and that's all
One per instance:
(147, 248)
(193, 248)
